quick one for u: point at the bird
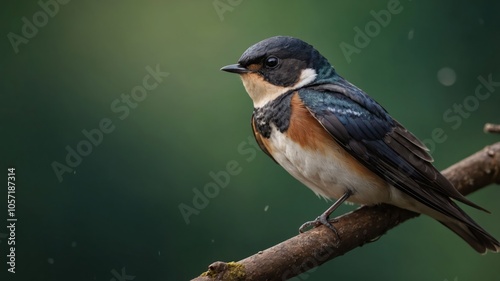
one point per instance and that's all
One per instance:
(338, 141)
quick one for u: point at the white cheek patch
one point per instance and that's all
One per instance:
(263, 92)
(306, 76)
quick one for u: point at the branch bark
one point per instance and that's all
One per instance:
(491, 128)
(366, 224)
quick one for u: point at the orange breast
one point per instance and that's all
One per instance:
(305, 130)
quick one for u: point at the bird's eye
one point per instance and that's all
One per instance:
(271, 62)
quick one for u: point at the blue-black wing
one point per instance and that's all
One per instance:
(372, 136)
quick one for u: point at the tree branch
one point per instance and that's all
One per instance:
(317, 246)
(491, 128)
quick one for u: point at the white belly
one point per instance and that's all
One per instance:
(327, 173)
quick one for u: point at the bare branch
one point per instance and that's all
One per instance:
(491, 128)
(317, 246)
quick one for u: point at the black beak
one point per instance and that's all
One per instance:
(235, 68)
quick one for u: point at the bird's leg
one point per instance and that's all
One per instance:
(323, 218)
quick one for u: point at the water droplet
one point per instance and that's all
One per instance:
(410, 34)
(446, 76)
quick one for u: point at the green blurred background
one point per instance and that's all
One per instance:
(119, 208)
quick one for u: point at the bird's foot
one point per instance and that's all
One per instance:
(321, 220)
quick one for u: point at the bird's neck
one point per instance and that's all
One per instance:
(260, 91)
(276, 112)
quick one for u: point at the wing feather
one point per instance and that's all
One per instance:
(382, 144)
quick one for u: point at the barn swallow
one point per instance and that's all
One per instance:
(342, 144)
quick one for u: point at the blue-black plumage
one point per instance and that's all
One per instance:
(341, 143)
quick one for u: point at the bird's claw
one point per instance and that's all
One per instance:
(308, 224)
(321, 220)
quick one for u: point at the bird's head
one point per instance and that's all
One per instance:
(279, 64)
